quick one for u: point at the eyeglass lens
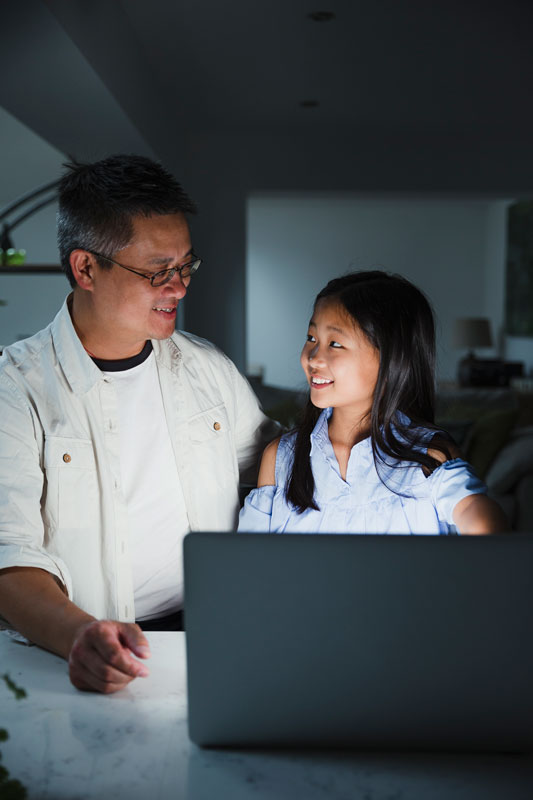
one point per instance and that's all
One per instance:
(166, 275)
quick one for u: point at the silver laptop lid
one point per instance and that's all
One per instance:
(365, 641)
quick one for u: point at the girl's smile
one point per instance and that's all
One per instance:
(319, 383)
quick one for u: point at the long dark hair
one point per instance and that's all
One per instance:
(397, 319)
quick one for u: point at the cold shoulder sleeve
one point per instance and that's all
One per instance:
(451, 482)
(256, 514)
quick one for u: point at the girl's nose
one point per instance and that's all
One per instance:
(314, 354)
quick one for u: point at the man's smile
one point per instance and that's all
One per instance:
(169, 310)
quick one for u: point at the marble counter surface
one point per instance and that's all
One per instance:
(64, 744)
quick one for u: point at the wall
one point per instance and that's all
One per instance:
(27, 163)
(450, 248)
(32, 302)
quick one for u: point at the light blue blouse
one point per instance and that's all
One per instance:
(362, 503)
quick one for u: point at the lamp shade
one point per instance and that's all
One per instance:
(472, 332)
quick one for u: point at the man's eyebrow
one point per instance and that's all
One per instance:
(161, 260)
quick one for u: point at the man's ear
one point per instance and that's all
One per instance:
(82, 266)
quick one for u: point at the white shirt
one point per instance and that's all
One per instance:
(62, 503)
(157, 517)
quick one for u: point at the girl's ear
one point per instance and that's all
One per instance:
(82, 266)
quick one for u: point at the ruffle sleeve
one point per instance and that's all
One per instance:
(256, 514)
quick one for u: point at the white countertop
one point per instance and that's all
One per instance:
(134, 744)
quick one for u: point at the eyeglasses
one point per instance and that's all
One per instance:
(157, 278)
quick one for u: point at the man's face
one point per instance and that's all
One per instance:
(128, 308)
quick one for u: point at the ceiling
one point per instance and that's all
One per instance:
(381, 65)
(151, 72)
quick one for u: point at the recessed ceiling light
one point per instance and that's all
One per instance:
(321, 16)
(309, 103)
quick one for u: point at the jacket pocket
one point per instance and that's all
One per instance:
(213, 451)
(71, 478)
(209, 426)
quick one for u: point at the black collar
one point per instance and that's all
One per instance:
(121, 364)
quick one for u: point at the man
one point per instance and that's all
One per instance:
(118, 434)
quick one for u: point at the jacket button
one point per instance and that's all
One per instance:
(216, 426)
(67, 458)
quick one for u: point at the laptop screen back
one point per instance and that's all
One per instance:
(365, 641)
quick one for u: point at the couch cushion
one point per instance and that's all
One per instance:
(512, 462)
(487, 437)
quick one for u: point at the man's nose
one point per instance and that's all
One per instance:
(178, 284)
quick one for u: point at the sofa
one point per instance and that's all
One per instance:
(494, 429)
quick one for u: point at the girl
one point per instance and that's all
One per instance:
(367, 457)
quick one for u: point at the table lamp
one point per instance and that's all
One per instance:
(470, 332)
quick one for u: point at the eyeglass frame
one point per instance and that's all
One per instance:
(194, 264)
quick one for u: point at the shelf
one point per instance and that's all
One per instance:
(31, 269)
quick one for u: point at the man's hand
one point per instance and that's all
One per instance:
(99, 652)
(101, 657)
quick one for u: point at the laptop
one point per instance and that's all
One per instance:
(331, 640)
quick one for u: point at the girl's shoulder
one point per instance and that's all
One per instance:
(276, 457)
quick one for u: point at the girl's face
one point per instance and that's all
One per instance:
(340, 363)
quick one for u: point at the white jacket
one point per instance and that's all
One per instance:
(61, 505)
